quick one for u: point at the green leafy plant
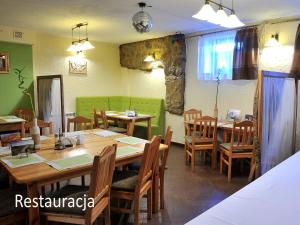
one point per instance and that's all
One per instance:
(25, 91)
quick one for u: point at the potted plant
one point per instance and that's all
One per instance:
(34, 129)
(218, 81)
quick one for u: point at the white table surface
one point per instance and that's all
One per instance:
(272, 199)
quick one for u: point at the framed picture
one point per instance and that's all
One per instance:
(4, 62)
(78, 66)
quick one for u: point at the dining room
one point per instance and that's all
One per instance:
(155, 112)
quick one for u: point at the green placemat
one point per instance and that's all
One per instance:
(127, 151)
(16, 161)
(71, 162)
(131, 140)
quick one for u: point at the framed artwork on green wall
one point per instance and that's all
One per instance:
(4, 62)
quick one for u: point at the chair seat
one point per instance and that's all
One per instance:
(69, 191)
(189, 139)
(124, 180)
(227, 146)
(7, 202)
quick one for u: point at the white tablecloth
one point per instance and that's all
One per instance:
(273, 199)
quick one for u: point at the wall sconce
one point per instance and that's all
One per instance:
(273, 41)
(150, 58)
(80, 44)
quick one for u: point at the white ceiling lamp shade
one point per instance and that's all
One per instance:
(206, 12)
(149, 58)
(220, 17)
(80, 44)
(233, 22)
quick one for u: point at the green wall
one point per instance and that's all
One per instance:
(11, 96)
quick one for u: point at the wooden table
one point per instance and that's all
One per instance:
(12, 123)
(272, 199)
(37, 175)
(121, 117)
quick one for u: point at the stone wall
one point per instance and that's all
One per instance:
(171, 51)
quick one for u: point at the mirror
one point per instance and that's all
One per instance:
(51, 100)
(4, 62)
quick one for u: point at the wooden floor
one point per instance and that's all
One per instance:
(189, 194)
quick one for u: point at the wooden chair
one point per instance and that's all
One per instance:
(162, 167)
(99, 190)
(26, 114)
(133, 187)
(203, 138)
(8, 138)
(41, 124)
(85, 123)
(188, 116)
(240, 146)
(9, 214)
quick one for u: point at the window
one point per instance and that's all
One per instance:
(215, 56)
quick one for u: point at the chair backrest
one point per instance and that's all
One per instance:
(242, 135)
(167, 142)
(101, 176)
(104, 119)
(26, 114)
(188, 116)
(97, 116)
(205, 130)
(79, 120)
(192, 114)
(148, 164)
(41, 124)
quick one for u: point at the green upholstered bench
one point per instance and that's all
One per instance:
(151, 106)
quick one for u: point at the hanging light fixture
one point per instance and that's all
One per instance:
(206, 12)
(142, 21)
(220, 17)
(273, 41)
(80, 44)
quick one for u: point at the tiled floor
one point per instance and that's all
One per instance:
(189, 194)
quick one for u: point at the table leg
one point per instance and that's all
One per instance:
(149, 133)
(155, 190)
(214, 156)
(33, 213)
(23, 129)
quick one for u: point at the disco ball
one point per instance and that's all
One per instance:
(142, 22)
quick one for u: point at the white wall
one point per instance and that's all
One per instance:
(103, 69)
(201, 94)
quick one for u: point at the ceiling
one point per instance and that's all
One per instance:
(110, 20)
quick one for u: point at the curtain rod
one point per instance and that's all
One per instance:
(249, 26)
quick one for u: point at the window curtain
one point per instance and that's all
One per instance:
(296, 62)
(215, 54)
(245, 55)
(279, 96)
